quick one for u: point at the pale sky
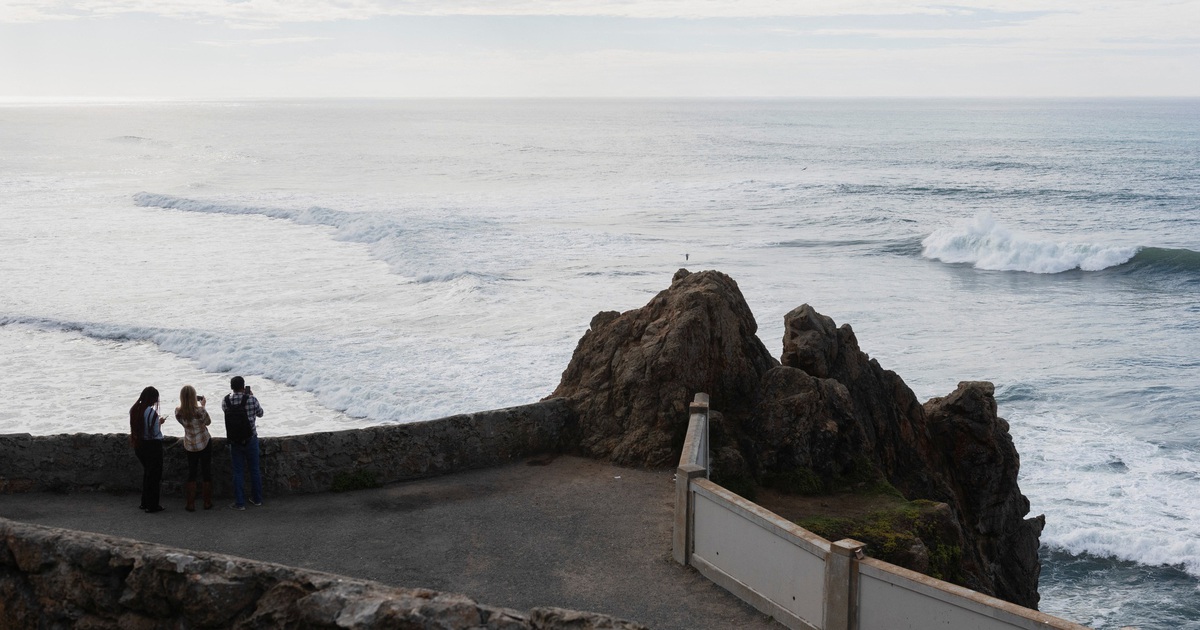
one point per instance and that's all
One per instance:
(593, 48)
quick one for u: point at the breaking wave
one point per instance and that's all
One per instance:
(988, 245)
(410, 249)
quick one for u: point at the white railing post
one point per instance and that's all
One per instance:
(698, 412)
(693, 463)
(841, 585)
(685, 509)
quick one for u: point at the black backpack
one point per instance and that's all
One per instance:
(237, 422)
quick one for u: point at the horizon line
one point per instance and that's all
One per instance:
(88, 100)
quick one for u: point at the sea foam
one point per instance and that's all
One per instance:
(984, 243)
(411, 248)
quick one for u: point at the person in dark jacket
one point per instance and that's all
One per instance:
(244, 453)
(145, 434)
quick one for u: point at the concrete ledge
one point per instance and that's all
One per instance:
(299, 463)
(1009, 614)
(61, 578)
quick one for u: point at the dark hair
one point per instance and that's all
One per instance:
(237, 383)
(147, 399)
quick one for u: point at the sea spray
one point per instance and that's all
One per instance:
(986, 244)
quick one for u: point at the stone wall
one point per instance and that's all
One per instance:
(296, 464)
(57, 578)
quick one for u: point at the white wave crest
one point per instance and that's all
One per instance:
(987, 245)
(1145, 547)
(412, 248)
(1108, 493)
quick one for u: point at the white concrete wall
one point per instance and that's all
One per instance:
(894, 598)
(760, 550)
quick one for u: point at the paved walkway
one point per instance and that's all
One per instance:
(574, 533)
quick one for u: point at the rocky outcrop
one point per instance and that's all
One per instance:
(633, 373)
(954, 450)
(825, 417)
(982, 464)
(56, 578)
(884, 408)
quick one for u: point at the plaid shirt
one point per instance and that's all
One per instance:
(195, 430)
(253, 410)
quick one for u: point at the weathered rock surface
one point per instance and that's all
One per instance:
(983, 465)
(56, 578)
(633, 373)
(825, 416)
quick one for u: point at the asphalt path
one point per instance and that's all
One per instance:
(572, 533)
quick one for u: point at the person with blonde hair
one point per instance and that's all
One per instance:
(198, 444)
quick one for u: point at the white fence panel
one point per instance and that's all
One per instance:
(893, 598)
(769, 564)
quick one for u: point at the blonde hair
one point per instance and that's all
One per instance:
(188, 407)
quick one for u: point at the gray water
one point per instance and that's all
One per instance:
(389, 261)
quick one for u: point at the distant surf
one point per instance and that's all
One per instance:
(408, 248)
(985, 244)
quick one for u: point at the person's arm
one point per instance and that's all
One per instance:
(253, 409)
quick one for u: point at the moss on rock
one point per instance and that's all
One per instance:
(918, 535)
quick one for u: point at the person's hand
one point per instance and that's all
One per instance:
(248, 392)
(201, 399)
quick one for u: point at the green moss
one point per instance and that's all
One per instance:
(892, 532)
(356, 480)
(945, 563)
(861, 478)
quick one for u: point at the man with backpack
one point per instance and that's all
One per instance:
(241, 409)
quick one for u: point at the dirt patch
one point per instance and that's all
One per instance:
(844, 505)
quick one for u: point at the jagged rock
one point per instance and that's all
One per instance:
(983, 464)
(953, 450)
(825, 416)
(887, 411)
(804, 423)
(633, 373)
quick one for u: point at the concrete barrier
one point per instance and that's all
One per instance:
(295, 464)
(806, 582)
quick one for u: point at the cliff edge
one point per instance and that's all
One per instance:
(824, 418)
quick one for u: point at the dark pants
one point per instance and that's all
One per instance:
(203, 461)
(246, 456)
(150, 453)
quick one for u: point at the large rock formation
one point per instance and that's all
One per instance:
(633, 373)
(826, 416)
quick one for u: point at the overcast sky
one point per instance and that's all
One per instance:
(588, 48)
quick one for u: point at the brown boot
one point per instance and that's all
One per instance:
(207, 495)
(190, 489)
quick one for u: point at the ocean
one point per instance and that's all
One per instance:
(365, 262)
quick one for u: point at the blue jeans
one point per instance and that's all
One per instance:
(246, 455)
